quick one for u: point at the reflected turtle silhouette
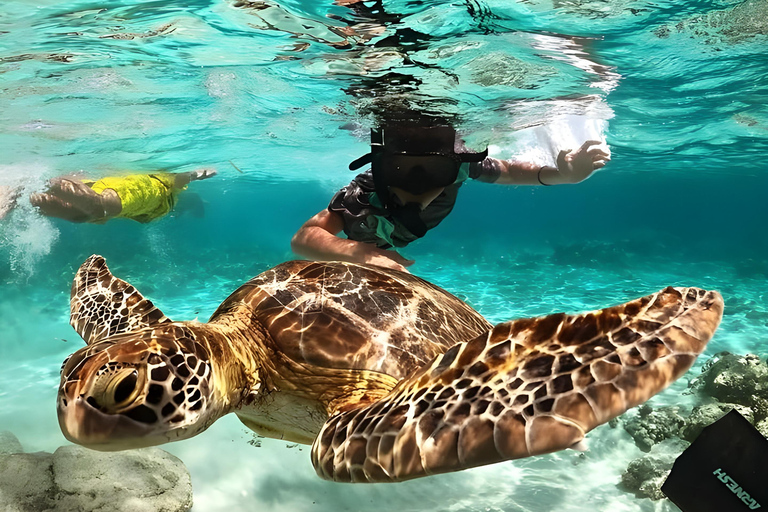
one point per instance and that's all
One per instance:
(387, 376)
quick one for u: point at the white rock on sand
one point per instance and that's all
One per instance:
(75, 478)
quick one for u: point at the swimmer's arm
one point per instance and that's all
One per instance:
(572, 167)
(182, 179)
(317, 240)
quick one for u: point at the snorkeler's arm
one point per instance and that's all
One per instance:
(572, 167)
(317, 240)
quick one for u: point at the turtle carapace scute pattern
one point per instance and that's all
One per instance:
(387, 376)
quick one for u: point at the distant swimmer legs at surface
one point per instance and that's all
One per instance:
(8, 197)
(140, 197)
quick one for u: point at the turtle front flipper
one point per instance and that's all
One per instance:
(526, 387)
(102, 305)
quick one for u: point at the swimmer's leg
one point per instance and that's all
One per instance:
(8, 196)
(75, 201)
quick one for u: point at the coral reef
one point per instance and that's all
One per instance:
(653, 426)
(733, 378)
(75, 478)
(645, 476)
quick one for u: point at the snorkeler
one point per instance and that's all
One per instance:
(411, 187)
(140, 197)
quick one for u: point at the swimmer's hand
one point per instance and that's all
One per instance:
(184, 178)
(387, 259)
(576, 166)
(201, 174)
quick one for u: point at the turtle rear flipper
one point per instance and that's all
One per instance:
(526, 387)
(101, 305)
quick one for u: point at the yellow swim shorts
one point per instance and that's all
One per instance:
(145, 197)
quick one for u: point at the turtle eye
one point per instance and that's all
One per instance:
(126, 388)
(117, 390)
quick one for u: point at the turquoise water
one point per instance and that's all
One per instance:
(678, 90)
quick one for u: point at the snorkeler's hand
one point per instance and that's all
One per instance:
(388, 259)
(576, 166)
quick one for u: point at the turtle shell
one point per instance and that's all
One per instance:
(359, 317)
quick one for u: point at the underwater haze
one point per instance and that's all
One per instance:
(280, 97)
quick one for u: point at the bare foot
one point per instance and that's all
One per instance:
(8, 196)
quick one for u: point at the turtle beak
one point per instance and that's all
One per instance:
(92, 403)
(82, 423)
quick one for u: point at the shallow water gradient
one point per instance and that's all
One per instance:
(676, 89)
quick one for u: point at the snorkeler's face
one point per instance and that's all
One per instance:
(419, 174)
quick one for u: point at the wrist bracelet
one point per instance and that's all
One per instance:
(538, 176)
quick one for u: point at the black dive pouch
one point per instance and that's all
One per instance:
(724, 470)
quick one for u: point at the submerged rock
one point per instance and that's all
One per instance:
(148, 479)
(75, 478)
(762, 427)
(9, 443)
(26, 482)
(728, 381)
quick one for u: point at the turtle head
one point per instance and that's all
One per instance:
(137, 389)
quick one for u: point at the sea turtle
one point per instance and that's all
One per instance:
(387, 376)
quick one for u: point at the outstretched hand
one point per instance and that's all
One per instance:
(578, 165)
(201, 174)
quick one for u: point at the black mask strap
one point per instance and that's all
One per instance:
(377, 146)
(375, 158)
(472, 157)
(359, 162)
